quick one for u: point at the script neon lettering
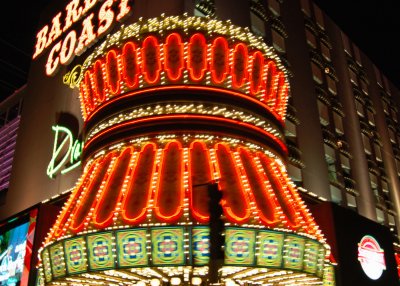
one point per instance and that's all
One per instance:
(66, 152)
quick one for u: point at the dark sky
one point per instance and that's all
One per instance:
(374, 25)
(18, 25)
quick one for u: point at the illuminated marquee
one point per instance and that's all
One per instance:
(171, 104)
(63, 51)
(371, 257)
(233, 60)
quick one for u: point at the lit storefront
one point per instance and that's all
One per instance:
(153, 127)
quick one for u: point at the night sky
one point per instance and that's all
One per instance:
(374, 25)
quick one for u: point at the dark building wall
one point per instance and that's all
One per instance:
(310, 140)
(47, 98)
(365, 201)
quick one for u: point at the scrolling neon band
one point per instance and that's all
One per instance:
(66, 152)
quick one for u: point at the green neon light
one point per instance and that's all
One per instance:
(68, 148)
(70, 168)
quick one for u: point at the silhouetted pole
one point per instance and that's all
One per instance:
(217, 239)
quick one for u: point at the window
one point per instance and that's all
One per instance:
(385, 186)
(323, 113)
(378, 153)
(198, 13)
(305, 7)
(357, 54)
(353, 77)
(374, 183)
(326, 53)
(360, 108)
(394, 114)
(257, 25)
(201, 9)
(371, 118)
(391, 219)
(331, 85)
(386, 84)
(378, 76)
(385, 107)
(290, 130)
(336, 194)
(338, 123)
(330, 158)
(380, 217)
(346, 44)
(317, 73)
(319, 17)
(392, 135)
(311, 40)
(274, 7)
(351, 201)
(366, 142)
(364, 86)
(295, 174)
(345, 163)
(278, 41)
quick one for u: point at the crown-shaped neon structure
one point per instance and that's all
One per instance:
(171, 104)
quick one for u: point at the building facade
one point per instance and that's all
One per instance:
(340, 142)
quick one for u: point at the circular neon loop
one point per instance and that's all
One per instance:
(371, 257)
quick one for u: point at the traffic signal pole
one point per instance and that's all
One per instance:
(217, 239)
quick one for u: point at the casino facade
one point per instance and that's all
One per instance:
(160, 155)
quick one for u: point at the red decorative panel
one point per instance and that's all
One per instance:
(130, 67)
(298, 204)
(271, 82)
(282, 95)
(197, 59)
(98, 79)
(236, 207)
(170, 193)
(256, 73)
(266, 205)
(274, 97)
(173, 54)
(196, 56)
(112, 192)
(284, 201)
(239, 65)
(151, 60)
(89, 94)
(113, 73)
(200, 176)
(138, 192)
(82, 210)
(63, 218)
(219, 60)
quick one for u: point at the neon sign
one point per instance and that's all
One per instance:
(66, 152)
(73, 77)
(63, 51)
(371, 257)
